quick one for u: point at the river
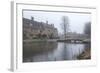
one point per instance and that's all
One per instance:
(51, 51)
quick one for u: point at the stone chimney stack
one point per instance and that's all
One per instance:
(32, 18)
(46, 22)
(52, 25)
(31, 21)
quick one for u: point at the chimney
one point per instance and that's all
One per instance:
(52, 25)
(46, 22)
(31, 21)
(32, 18)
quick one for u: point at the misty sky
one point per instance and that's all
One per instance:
(76, 20)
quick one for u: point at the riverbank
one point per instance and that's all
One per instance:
(74, 41)
(85, 54)
(56, 40)
(40, 40)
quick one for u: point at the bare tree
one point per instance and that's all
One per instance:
(65, 25)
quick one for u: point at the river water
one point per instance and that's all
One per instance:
(51, 51)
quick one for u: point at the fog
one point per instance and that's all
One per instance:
(76, 20)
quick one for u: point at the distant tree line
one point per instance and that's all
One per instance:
(87, 29)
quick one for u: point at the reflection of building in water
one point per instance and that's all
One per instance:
(34, 29)
(33, 49)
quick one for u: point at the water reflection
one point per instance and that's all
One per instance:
(51, 51)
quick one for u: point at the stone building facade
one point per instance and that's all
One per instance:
(34, 30)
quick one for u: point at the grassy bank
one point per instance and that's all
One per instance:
(40, 40)
(86, 54)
